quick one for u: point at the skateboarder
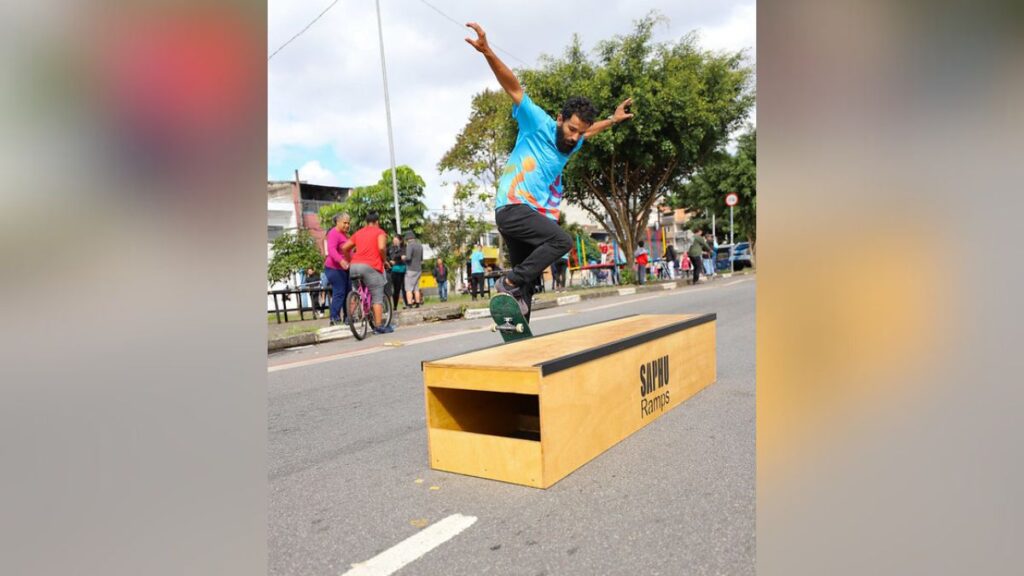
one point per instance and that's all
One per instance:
(530, 189)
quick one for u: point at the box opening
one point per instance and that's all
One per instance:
(493, 413)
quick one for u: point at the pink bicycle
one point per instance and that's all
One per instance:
(359, 305)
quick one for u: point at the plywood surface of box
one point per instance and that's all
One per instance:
(532, 411)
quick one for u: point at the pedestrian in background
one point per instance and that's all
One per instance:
(476, 261)
(563, 267)
(670, 259)
(440, 272)
(336, 266)
(312, 284)
(709, 260)
(697, 249)
(396, 258)
(414, 268)
(714, 254)
(641, 262)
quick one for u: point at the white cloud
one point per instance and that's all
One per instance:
(738, 32)
(314, 173)
(325, 88)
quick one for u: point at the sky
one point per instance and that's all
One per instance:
(326, 112)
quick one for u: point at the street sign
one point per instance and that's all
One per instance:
(732, 199)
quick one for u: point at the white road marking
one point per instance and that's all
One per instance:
(413, 547)
(434, 337)
(321, 360)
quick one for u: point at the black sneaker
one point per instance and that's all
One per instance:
(516, 292)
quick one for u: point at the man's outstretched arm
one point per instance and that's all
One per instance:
(620, 115)
(503, 73)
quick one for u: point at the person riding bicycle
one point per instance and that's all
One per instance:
(367, 263)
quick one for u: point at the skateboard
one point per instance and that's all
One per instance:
(508, 320)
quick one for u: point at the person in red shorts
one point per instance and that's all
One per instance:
(369, 251)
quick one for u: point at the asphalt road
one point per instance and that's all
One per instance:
(349, 477)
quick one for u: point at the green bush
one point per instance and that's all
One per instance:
(627, 274)
(293, 252)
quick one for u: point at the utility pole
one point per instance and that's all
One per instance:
(387, 108)
(297, 199)
(730, 226)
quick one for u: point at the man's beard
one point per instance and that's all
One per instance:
(564, 146)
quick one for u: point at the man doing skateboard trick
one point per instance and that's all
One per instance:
(530, 189)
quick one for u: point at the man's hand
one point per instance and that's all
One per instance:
(620, 113)
(481, 41)
(503, 73)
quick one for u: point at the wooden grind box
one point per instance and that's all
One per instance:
(531, 412)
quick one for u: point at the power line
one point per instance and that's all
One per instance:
(432, 7)
(302, 31)
(462, 26)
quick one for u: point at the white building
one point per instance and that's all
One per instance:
(293, 205)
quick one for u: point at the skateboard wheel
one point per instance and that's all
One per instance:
(494, 328)
(519, 328)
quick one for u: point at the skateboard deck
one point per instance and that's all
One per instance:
(508, 320)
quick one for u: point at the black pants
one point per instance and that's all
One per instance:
(476, 284)
(696, 266)
(534, 243)
(398, 286)
(558, 274)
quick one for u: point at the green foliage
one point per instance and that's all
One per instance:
(292, 253)
(686, 102)
(627, 274)
(327, 213)
(577, 233)
(482, 147)
(375, 198)
(453, 233)
(379, 198)
(724, 173)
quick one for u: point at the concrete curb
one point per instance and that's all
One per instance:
(419, 316)
(566, 300)
(332, 333)
(453, 312)
(474, 313)
(544, 305)
(291, 341)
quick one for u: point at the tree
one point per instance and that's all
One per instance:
(705, 192)
(482, 147)
(380, 198)
(452, 234)
(687, 101)
(293, 252)
(577, 232)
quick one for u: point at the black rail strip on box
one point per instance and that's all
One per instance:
(422, 362)
(571, 360)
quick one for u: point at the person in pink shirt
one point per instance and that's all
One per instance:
(336, 265)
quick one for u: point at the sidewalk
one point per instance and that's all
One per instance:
(307, 332)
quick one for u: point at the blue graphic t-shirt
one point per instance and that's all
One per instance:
(476, 262)
(533, 174)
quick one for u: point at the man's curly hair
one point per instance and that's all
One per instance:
(579, 106)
